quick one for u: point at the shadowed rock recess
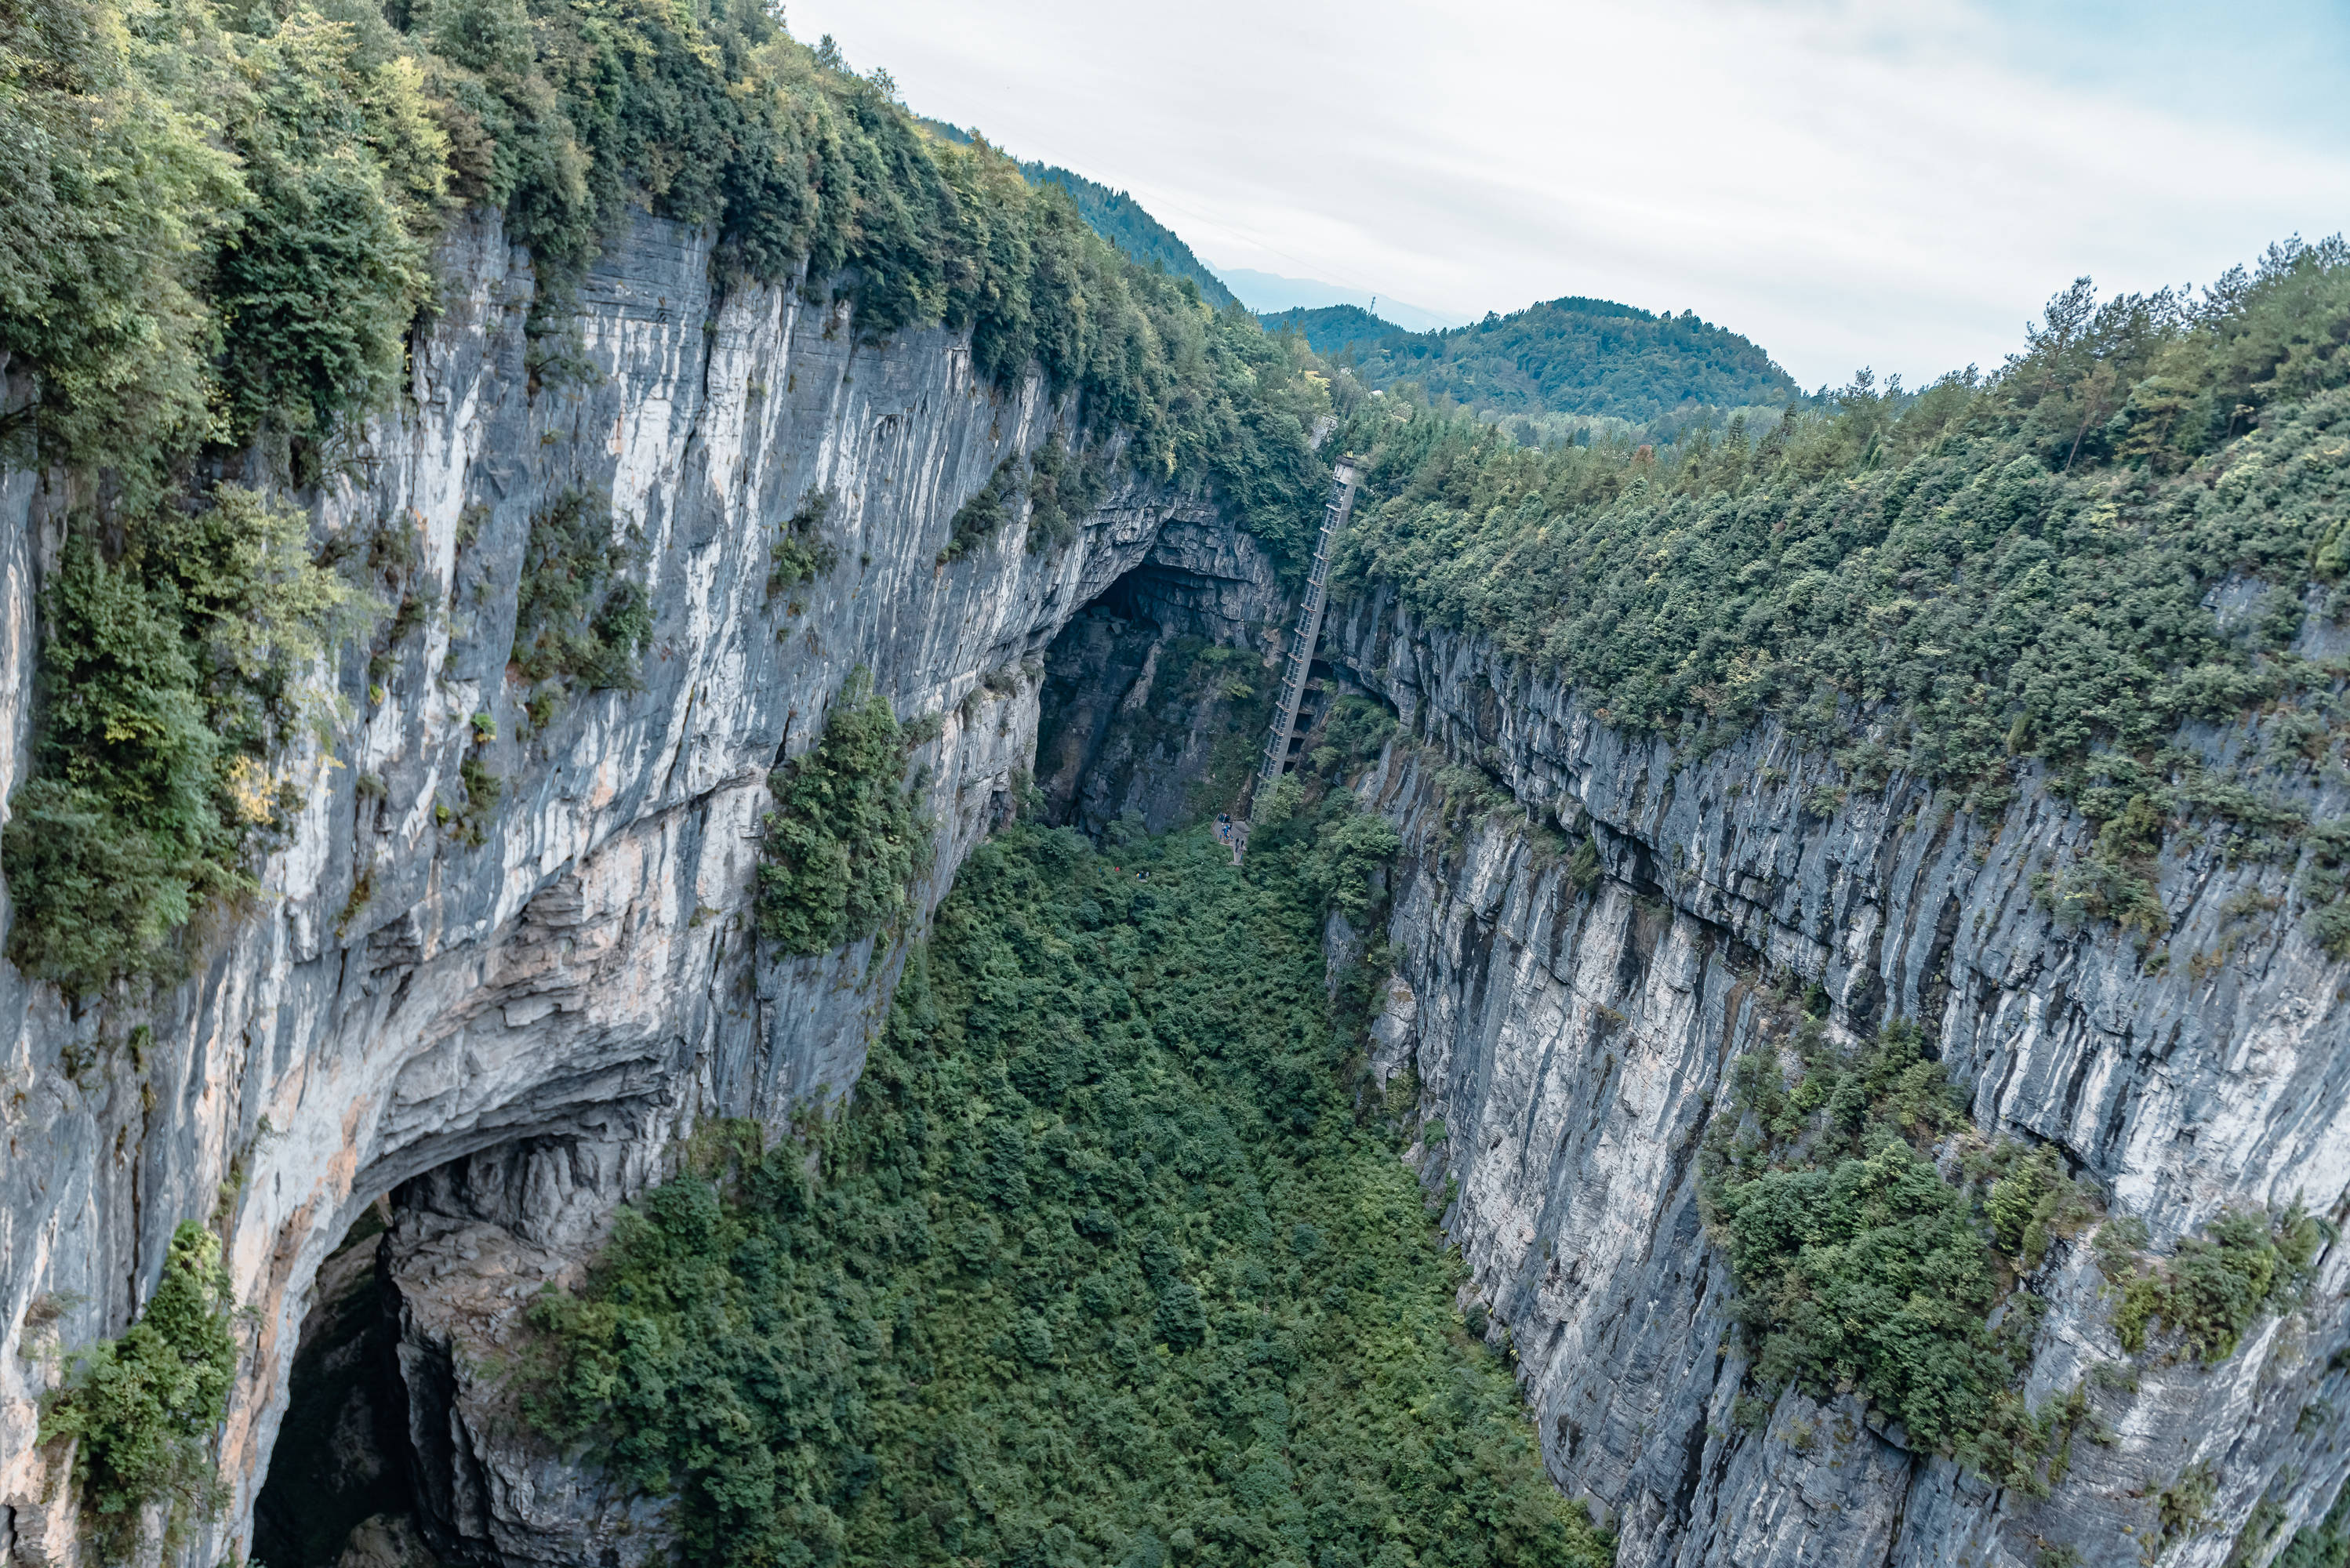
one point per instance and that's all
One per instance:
(419, 1071)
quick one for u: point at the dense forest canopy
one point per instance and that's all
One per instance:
(1105, 1265)
(1331, 330)
(1570, 356)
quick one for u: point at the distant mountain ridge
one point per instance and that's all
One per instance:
(1574, 355)
(1118, 218)
(1332, 330)
(1271, 294)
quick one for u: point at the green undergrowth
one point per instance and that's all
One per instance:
(582, 618)
(1859, 1266)
(1100, 1268)
(1955, 581)
(142, 1408)
(847, 839)
(174, 677)
(2321, 1542)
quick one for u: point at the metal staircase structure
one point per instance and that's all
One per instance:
(1308, 634)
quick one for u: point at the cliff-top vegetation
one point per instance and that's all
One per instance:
(2123, 531)
(215, 244)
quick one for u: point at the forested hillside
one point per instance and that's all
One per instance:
(218, 231)
(1331, 330)
(1117, 218)
(1120, 219)
(2002, 572)
(1103, 1267)
(1570, 356)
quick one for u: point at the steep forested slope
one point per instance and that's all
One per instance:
(1117, 218)
(1121, 219)
(1103, 1265)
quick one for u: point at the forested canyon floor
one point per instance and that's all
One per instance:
(1105, 1265)
(538, 541)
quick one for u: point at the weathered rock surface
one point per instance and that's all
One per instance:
(1573, 1044)
(514, 1032)
(573, 972)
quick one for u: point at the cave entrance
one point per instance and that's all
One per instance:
(341, 1457)
(1156, 696)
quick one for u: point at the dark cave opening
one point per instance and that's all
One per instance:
(342, 1455)
(1156, 696)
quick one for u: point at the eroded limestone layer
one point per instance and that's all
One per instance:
(582, 979)
(1573, 1046)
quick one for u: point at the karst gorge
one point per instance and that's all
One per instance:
(645, 922)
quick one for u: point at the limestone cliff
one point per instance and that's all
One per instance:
(1572, 1044)
(508, 1019)
(548, 994)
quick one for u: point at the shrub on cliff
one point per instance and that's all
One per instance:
(1860, 1267)
(143, 1408)
(848, 838)
(581, 614)
(172, 680)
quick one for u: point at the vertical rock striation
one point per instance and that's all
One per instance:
(425, 986)
(1572, 1045)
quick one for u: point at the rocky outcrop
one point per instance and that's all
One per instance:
(1572, 1045)
(425, 983)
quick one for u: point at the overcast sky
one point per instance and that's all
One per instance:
(1895, 185)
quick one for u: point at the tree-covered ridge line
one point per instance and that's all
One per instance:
(1996, 571)
(1103, 1266)
(221, 243)
(1571, 356)
(1117, 217)
(1121, 219)
(1331, 330)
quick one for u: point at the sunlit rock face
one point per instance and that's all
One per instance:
(1574, 1044)
(423, 982)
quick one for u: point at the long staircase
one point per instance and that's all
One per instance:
(1309, 632)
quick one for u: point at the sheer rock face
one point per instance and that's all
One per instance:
(1573, 1046)
(514, 1032)
(580, 982)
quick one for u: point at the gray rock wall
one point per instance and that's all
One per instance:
(1572, 1044)
(583, 978)
(520, 1030)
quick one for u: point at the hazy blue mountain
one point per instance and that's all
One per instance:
(1265, 292)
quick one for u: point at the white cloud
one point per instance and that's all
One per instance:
(1846, 183)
